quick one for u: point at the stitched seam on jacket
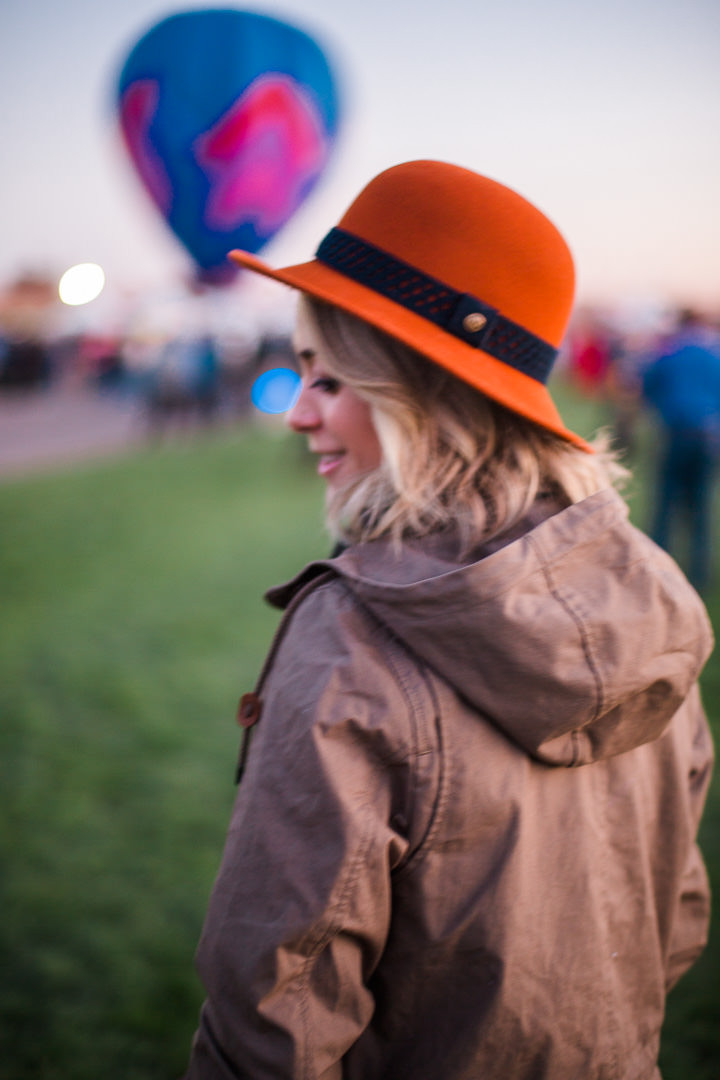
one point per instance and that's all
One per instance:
(442, 793)
(413, 850)
(575, 613)
(612, 1024)
(333, 918)
(329, 931)
(413, 665)
(401, 660)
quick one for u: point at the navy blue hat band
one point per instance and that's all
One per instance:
(459, 314)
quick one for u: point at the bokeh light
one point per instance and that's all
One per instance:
(276, 391)
(81, 284)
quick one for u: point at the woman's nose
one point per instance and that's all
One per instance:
(303, 416)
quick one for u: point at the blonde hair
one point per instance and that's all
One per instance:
(451, 455)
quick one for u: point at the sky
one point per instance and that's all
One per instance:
(606, 116)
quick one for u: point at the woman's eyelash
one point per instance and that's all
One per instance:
(324, 382)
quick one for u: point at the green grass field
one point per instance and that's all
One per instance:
(132, 620)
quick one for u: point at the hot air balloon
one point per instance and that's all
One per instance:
(230, 118)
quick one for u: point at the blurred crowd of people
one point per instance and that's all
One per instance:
(191, 375)
(674, 373)
(666, 366)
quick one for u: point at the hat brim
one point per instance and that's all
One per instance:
(516, 391)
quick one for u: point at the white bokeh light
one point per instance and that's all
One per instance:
(81, 284)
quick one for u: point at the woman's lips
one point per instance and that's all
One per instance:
(328, 463)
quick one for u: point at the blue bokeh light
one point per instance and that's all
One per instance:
(276, 391)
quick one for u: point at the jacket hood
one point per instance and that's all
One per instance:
(579, 638)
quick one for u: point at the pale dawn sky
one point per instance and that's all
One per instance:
(607, 116)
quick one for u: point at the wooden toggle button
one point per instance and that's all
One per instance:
(249, 710)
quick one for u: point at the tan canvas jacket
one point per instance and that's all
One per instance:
(464, 844)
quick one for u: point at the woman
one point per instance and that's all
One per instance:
(464, 840)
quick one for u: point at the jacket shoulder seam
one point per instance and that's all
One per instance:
(422, 708)
(566, 600)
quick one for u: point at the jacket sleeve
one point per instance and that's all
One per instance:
(300, 911)
(689, 931)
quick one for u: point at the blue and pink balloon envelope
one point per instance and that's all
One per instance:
(230, 119)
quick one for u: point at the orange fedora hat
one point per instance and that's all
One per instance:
(457, 266)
